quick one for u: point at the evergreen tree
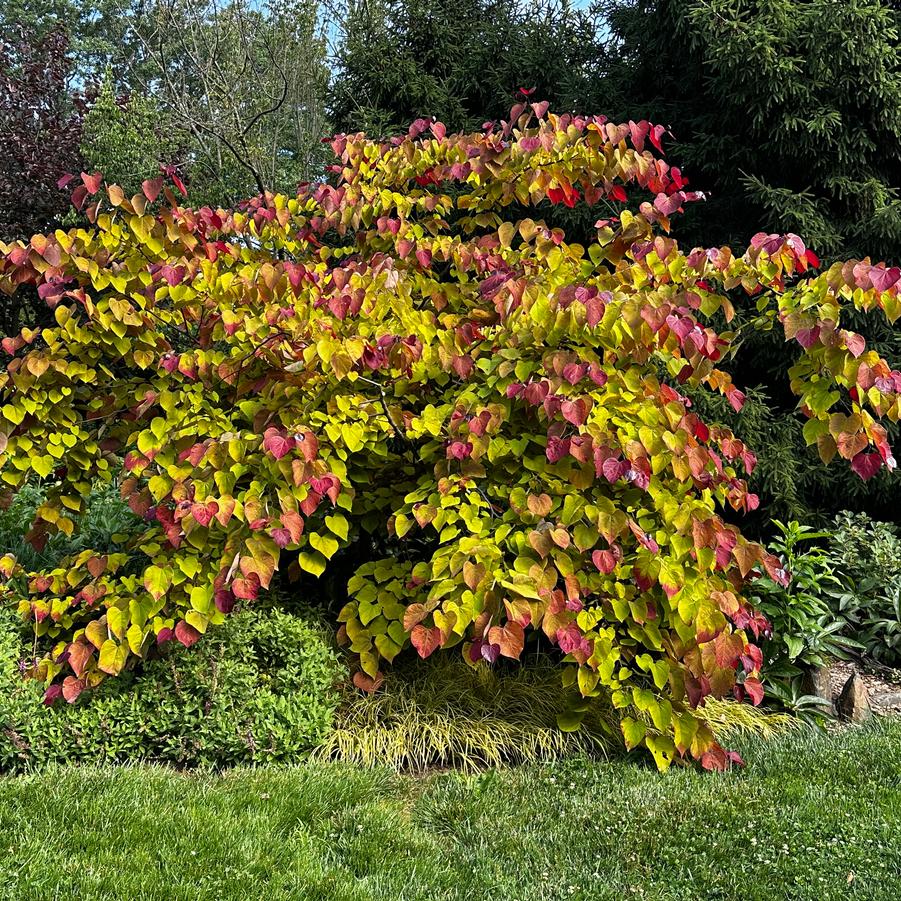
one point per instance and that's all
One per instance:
(788, 113)
(459, 60)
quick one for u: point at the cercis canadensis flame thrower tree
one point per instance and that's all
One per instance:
(407, 353)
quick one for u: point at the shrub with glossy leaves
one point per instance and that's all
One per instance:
(411, 357)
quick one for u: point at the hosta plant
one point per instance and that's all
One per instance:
(408, 357)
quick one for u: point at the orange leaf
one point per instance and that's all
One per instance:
(426, 640)
(80, 653)
(510, 638)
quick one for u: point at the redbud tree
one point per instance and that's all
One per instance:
(409, 354)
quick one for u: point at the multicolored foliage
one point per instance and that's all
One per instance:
(412, 353)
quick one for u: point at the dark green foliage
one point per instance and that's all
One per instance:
(263, 687)
(788, 112)
(844, 601)
(806, 631)
(459, 60)
(867, 554)
(814, 816)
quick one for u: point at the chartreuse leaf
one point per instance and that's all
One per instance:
(157, 581)
(326, 545)
(313, 562)
(338, 525)
(112, 657)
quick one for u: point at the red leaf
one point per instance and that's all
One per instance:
(367, 683)
(426, 640)
(510, 638)
(79, 195)
(92, 182)
(855, 344)
(715, 759)
(53, 693)
(574, 411)
(736, 398)
(72, 688)
(866, 465)
(79, 654)
(186, 634)
(883, 279)
(276, 443)
(151, 188)
(604, 561)
(754, 688)
(308, 444)
(204, 513)
(282, 537)
(248, 588)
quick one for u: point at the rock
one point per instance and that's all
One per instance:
(888, 700)
(818, 682)
(853, 703)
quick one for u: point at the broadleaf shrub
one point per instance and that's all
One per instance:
(264, 687)
(406, 361)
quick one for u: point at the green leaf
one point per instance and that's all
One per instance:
(112, 657)
(633, 731)
(570, 720)
(326, 545)
(198, 620)
(338, 525)
(117, 621)
(157, 581)
(313, 563)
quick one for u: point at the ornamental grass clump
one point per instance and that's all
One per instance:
(409, 358)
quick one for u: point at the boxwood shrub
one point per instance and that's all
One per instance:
(264, 687)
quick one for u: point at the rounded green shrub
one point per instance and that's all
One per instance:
(264, 687)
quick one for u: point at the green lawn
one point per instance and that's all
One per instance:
(811, 817)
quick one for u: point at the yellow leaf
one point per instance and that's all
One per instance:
(313, 563)
(112, 657)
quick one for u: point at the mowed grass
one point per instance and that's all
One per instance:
(811, 817)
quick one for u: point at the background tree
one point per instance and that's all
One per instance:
(458, 60)
(97, 30)
(40, 131)
(243, 85)
(127, 136)
(800, 100)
